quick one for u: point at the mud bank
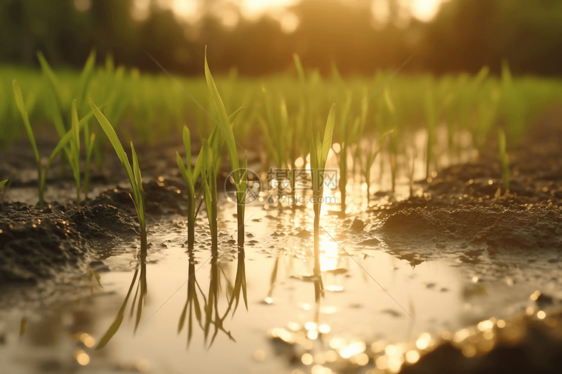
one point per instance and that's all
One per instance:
(58, 241)
(62, 240)
(491, 229)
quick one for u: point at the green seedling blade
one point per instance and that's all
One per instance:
(388, 101)
(23, 112)
(300, 70)
(236, 113)
(328, 133)
(75, 129)
(223, 120)
(85, 76)
(52, 78)
(90, 146)
(110, 132)
(187, 145)
(186, 176)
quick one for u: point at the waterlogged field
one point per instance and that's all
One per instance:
(293, 223)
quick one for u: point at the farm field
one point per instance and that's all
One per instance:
(280, 186)
(450, 190)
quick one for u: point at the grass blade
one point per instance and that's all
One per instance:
(328, 133)
(21, 107)
(52, 78)
(110, 132)
(224, 122)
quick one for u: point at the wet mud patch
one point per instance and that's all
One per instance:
(473, 229)
(163, 197)
(58, 241)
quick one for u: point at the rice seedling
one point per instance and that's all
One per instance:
(504, 159)
(65, 139)
(73, 151)
(345, 138)
(431, 125)
(190, 177)
(274, 131)
(21, 107)
(280, 142)
(89, 141)
(133, 173)
(487, 116)
(391, 117)
(371, 154)
(238, 174)
(58, 103)
(209, 181)
(3, 189)
(514, 107)
(59, 107)
(318, 156)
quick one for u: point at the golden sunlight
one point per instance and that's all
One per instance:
(424, 10)
(256, 8)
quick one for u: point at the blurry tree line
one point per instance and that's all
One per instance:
(465, 35)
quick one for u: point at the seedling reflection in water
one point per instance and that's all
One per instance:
(212, 316)
(138, 301)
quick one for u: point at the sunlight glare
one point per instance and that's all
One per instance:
(253, 9)
(289, 22)
(186, 10)
(425, 10)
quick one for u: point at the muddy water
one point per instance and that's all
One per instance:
(371, 299)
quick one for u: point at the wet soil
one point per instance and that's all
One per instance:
(58, 241)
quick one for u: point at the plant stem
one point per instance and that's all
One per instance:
(240, 215)
(41, 178)
(343, 176)
(317, 240)
(144, 244)
(368, 189)
(214, 228)
(190, 221)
